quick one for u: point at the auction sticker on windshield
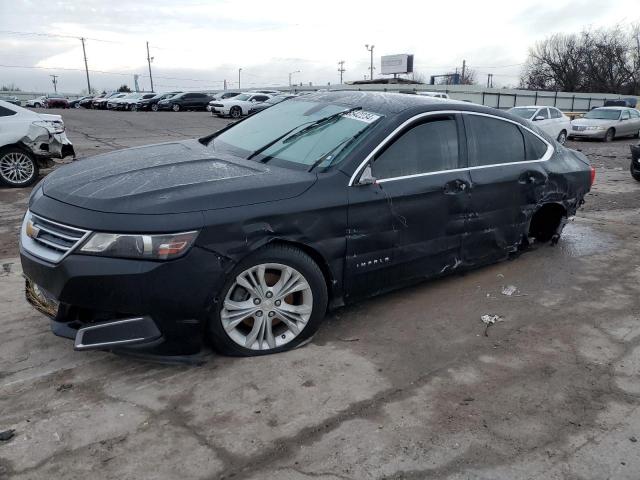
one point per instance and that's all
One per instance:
(362, 116)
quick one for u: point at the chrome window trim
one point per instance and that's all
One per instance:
(548, 154)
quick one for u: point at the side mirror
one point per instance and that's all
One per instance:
(538, 118)
(367, 177)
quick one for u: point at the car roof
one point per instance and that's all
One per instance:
(380, 102)
(535, 106)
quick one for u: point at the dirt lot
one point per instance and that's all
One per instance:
(405, 386)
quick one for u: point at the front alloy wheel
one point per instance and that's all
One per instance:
(273, 302)
(176, 108)
(154, 107)
(17, 168)
(236, 112)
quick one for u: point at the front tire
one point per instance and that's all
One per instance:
(610, 135)
(634, 174)
(18, 168)
(273, 301)
(154, 107)
(235, 112)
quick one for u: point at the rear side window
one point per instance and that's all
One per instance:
(634, 113)
(534, 147)
(5, 112)
(491, 141)
(427, 147)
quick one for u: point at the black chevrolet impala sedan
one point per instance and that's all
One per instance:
(244, 238)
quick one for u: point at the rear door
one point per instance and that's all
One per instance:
(635, 120)
(625, 125)
(508, 178)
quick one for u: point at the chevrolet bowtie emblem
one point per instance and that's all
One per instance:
(32, 230)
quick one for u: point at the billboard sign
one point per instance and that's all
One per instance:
(391, 64)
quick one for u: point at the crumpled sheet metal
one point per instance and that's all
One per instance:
(37, 135)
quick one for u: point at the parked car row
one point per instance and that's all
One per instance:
(602, 123)
(48, 101)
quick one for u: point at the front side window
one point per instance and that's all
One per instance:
(543, 112)
(555, 113)
(625, 115)
(429, 147)
(492, 141)
(634, 114)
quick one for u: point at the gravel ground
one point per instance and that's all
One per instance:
(404, 386)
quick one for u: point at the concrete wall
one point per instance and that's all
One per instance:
(503, 98)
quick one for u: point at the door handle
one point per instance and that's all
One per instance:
(455, 187)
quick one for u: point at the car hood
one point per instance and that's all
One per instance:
(168, 178)
(588, 122)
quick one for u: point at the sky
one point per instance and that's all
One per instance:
(199, 44)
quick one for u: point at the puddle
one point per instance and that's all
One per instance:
(580, 240)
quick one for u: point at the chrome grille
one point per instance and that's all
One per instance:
(49, 240)
(579, 128)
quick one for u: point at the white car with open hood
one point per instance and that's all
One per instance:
(29, 141)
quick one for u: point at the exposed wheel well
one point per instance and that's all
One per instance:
(316, 257)
(546, 222)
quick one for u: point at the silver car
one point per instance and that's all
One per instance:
(607, 123)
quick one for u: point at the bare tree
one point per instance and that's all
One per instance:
(605, 60)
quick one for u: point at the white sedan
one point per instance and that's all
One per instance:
(239, 105)
(550, 119)
(29, 141)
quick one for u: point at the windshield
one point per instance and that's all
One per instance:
(523, 112)
(602, 114)
(298, 146)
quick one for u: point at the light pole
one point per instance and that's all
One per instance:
(341, 69)
(291, 73)
(149, 60)
(370, 49)
(239, 70)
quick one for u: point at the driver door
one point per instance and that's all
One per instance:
(410, 223)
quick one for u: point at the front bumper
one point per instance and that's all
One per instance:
(171, 300)
(588, 133)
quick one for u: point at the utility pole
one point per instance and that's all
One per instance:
(489, 80)
(149, 60)
(86, 68)
(54, 79)
(239, 70)
(225, 85)
(464, 69)
(341, 69)
(291, 73)
(370, 49)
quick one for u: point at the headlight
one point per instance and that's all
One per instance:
(144, 247)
